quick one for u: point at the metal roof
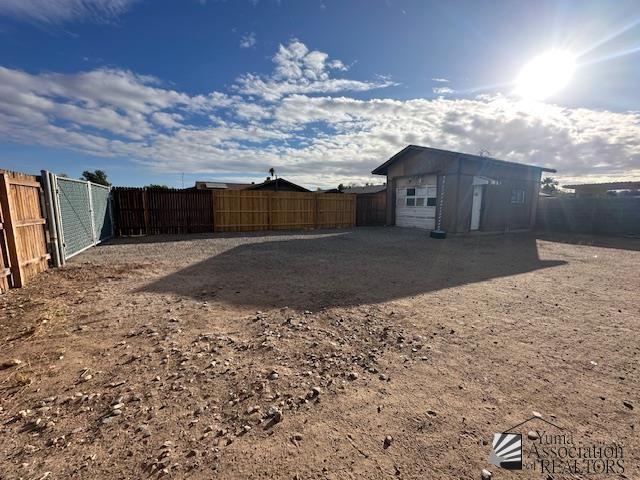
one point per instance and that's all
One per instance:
(382, 169)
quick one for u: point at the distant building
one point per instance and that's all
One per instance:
(364, 190)
(222, 186)
(270, 185)
(585, 190)
(277, 185)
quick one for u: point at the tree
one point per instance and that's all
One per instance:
(549, 185)
(98, 176)
(272, 172)
(341, 187)
(155, 185)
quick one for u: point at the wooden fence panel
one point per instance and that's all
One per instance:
(336, 210)
(128, 211)
(371, 209)
(179, 211)
(24, 238)
(242, 211)
(141, 211)
(292, 211)
(246, 210)
(5, 271)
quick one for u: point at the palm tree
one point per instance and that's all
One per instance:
(549, 185)
(272, 172)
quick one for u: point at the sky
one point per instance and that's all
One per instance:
(169, 92)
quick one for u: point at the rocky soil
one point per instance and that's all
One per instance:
(373, 353)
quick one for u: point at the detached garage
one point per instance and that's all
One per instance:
(459, 193)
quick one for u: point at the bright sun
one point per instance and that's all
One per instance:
(545, 75)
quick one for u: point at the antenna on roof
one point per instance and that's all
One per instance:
(484, 152)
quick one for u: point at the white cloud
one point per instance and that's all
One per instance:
(248, 40)
(443, 90)
(60, 11)
(301, 120)
(440, 80)
(298, 70)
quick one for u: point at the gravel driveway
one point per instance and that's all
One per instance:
(365, 353)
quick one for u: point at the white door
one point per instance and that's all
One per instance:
(476, 207)
(416, 206)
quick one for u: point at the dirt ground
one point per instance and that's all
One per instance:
(369, 353)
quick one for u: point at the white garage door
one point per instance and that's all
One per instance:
(416, 206)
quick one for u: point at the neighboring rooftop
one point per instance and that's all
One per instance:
(365, 189)
(221, 185)
(606, 186)
(276, 184)
(382, 169)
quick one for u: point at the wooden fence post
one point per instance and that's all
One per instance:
(145, 210)
(213, 211)
(12, 241)
(316, 207)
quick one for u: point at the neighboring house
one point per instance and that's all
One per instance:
(277, 185)
(604, 189)
(274, 185)
(458, 192)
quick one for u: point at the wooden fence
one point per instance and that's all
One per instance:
(606, 216)
(23, 241)
(152, 211)
(139, 211)
(371, 209)
(247, 210)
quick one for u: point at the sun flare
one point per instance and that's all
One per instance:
(545, 75)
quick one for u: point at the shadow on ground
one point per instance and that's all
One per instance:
(352, 268)
(190, 237)
(619, 242)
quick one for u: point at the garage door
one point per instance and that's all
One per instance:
(416, 206)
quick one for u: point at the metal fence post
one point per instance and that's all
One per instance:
(93, 223)
(52, 220)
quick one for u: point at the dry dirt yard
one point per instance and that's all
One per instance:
(367, 353)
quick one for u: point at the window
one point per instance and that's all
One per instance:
(411, 202)
(411, 192)
(517, 196)
(431, 202)
(420, 202)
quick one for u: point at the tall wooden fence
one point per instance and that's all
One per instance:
(247, 210)
(139, 211)
(152, 211)
(23, 241)
(371, 209)
(606, 216)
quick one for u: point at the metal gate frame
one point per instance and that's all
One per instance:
(56, 230)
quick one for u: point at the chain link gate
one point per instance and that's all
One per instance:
(82, 211)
